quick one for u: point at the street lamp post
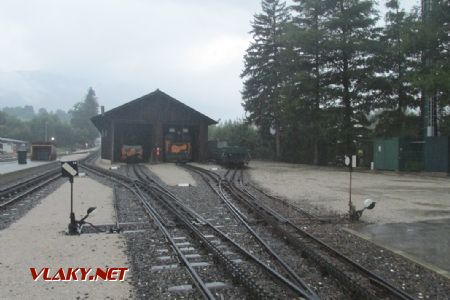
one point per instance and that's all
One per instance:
(45, 139)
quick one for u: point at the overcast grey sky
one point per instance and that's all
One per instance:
(190, 49)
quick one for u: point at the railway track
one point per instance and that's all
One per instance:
(357, 281)
(14, 193)
(242, 269)
(276, 270)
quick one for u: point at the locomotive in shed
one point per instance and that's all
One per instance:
(131, 153)
(178, 144)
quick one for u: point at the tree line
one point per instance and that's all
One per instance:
(323, 77)
(26, 113)
(69, 129)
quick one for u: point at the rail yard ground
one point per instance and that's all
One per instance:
(400, 197)
(312, 199)
(411, 217)
(37, 240)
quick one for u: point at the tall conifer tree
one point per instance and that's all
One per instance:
(394, 64)
(310, 35)
(262, 74)
(350, 48)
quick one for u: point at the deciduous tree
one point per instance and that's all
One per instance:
(81, 114)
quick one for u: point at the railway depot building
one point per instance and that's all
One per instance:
(156, 122)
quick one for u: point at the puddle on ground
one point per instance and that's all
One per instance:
(427, 213)
(429, 241)
(432, 204)
(412, 180)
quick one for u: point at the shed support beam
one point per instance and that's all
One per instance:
(202, 142)
(112, 141)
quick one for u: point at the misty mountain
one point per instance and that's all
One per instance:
(40, 89)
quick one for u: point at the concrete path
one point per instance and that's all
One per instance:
(37, 240)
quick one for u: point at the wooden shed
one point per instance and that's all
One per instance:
(145, 121)
(43, 151)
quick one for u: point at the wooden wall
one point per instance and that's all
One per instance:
(158, 112)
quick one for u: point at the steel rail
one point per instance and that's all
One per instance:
(227, 172)
(40, 183)
(353, 286)
(234, 270)
(115, 205)
(372, 276)
(300, 210)
(280, 220)
(155, 216)
(181, 211)
(233, 174)
(21, 185)
(201, 285)
(301, 292)
(306, 290)
(359, 292)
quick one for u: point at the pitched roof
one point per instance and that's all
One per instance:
(8, 140)
(157, 94)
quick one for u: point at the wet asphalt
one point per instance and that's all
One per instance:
(426, 241)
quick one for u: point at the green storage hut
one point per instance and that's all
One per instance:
(437, 154)
(398, 154)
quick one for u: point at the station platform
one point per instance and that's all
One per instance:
(426, 242)
(43, 243)
(13, 166)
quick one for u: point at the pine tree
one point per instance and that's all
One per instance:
(263, 70)
(352, 39)
(310, 35)
(433, 77)
(394, 64)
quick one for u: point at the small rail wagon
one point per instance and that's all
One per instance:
(43, 151)
(233, 156)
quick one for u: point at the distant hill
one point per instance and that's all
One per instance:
(40, 89)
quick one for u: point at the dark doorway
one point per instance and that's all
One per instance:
(132, 134)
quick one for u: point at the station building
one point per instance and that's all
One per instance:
(10, 146)
(147, 121)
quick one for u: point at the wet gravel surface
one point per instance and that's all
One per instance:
(325, 286)
(416, 280)
(150, 254)
(147, 248)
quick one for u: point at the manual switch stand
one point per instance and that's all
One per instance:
(70, 169)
